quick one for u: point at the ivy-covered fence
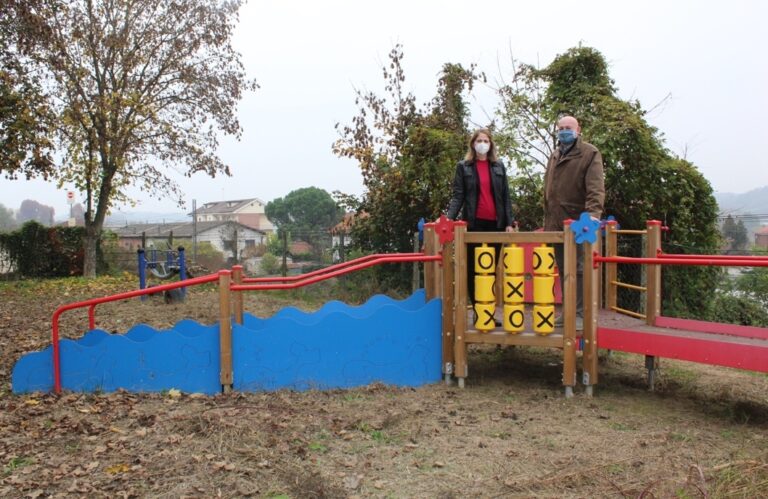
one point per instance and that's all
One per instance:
(35, 250)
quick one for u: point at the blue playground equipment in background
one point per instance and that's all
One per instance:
(170, 262)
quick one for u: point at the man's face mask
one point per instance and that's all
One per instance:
(566, 136)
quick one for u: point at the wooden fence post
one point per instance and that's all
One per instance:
(569, 309)
(653, 272)
(237, 299)
(591, 308)
(460, 303)
(225, 330)
(611, 270)
(430, 274)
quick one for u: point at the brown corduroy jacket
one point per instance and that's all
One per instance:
(573, 184)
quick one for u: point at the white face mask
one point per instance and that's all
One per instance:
(482, 148)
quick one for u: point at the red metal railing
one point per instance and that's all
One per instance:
(325, 270)
(659, 254)
(704, 260)
(91, 304)
(292, 282)
(340, 269)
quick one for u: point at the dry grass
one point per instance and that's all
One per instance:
(510, 433)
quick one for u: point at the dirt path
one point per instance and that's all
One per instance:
(510, 433)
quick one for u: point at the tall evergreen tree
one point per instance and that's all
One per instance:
(643, 179)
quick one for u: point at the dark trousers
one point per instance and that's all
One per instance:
(480, 226)
(560, 260)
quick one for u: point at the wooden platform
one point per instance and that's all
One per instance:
(742, 347)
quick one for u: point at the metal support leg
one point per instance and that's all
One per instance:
(651, 365)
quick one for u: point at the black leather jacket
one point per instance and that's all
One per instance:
(465, 194)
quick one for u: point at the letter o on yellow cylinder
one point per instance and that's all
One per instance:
(514, 318)
(485, 260)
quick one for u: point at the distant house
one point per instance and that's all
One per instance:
(761, 237)
(341, 231)
(219, 234)
(249, 212)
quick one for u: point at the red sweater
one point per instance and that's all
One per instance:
(486, 208)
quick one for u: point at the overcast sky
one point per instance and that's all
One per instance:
(308, 56)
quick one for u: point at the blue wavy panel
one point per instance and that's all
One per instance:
(387, 344)
(413, 302)
(385, 340)
(142, 360)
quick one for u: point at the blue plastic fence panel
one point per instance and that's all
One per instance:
(142, 360)
(382, 341)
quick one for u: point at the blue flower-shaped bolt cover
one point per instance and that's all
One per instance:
(585, 229)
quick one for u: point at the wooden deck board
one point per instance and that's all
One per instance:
(628, 334)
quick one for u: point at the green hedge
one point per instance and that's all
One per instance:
(38, 251)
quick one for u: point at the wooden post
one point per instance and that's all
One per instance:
(448, 311)
(653, 290)
(569, 309)
(598, 246)
(237, 299)
(415, 277)
(430, 287)
(460, 301)
(611, 272)
(591, 308)
(225, 330)
(653, 273)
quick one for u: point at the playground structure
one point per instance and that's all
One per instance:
(172, 263)
(445, 258)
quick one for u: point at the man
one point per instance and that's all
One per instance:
(573, 184)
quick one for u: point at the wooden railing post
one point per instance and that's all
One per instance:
(460, 303)
(448, 311)
(569, 277)
(653, 273)
(591, 307)
(225, 330)
(237, 299)
(416, 278)
(430, 287)
(611, 272)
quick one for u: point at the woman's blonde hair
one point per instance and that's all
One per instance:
(472, 155)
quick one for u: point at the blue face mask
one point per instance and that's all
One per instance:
(566, 136)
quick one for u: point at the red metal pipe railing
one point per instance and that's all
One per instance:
(659, 254)
(311, 277)
(331, 268)
(715, 262)
(91, 304)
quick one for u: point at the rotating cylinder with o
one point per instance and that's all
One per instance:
(485, 280)
(514, 280)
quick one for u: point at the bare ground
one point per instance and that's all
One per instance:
(510, 433)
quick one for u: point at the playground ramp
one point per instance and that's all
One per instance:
(391, 341)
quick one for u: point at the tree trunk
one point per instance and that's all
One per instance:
(90, 241)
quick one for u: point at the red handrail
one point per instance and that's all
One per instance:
(91, 304)
(326, 269)
(715, 262)
(311, 279)
(681, 256)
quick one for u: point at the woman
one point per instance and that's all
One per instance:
(481, 192)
